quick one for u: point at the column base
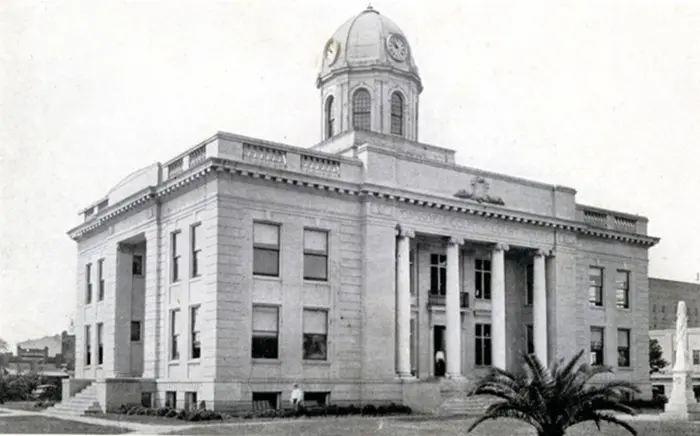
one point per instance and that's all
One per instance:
(405, 376)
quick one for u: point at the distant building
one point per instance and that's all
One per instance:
(664, 296)
(662, 381)
(51, 343)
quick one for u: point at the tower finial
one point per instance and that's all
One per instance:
(369, 6)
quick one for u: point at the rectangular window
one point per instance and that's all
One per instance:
(622, 290)
(438, 274)
(316, 398)
(530, 333)
(147, 399)
(265, 332)
(135, 331)
(196, 349)
(101, 280)
(623, 348)
(529, 284)
(174, 335)
(483, 344)
(171, 399)
(190, 400)
(482, 279)
(88, 346)
(266, 249)
(196, 249)
(265, 400)
(175, 255)
(137, 265)
(595, 287)
(315, 334)
(597, 346)
(88, 283)
(696, 357)
(100, 348)
(315, 255)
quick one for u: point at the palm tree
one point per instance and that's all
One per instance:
(554, 399)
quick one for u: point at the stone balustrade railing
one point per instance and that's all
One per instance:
(610, 220)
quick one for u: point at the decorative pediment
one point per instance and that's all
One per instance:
(479, 192)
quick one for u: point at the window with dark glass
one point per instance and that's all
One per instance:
(696, 357)
(196, 249)
(315, 254)
(438, 274)
(269, 399)
(595, 287)
(529, 332)
(175, 255)
(88, 283)
(266, 249)
(137, 265)
(100, 348)
(88, 346)
(196, 349)
(101, 280)
(482, 279)
(190, 400)
(396, 114)
(265, 332)
(622, 290)
(330, 117)
(174, 335)
(529, 284)
(315, 334)
(171, 399)
(135, 331)
(362, 110)
(482, 344)
(597, 346)
(317, 398)
(623, 348)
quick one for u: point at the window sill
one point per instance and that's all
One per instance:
(624, 309)
(196, 278)
(260, 361)
(267, 278)
(317, 362)
(316, 282)
(194, 362)
(596, 307)
(174, 363)
(176, 283)
(625, 368)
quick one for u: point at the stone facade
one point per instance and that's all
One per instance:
(419, 255)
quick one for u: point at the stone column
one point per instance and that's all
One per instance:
(403, 303)
(453, 328)
(498, 306)
(539, 313)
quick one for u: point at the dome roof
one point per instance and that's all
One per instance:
(367, 40)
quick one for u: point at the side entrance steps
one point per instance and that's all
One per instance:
(83, 403)
(456, 402)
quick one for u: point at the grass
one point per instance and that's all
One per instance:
(34, 424)
(145, 419)
(20, 405)
(434, 426)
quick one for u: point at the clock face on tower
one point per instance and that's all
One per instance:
(397, 47)
(330, 53)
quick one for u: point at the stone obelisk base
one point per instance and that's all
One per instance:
(682, 404)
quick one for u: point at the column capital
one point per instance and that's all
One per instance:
(405, 232)
(542, 252)
(501, 247)
(455, 240)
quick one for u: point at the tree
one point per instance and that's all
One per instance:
(656, 360)
(4, 348)
(554, 399)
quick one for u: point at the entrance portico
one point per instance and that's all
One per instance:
(464, 301)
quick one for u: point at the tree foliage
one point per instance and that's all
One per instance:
(4, 347)
(656, 360)
(554, 399)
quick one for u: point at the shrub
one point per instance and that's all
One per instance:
(353, 410)
(163, 411)
(382, 410)
(369, 410)
(172, 413)
(181, 414)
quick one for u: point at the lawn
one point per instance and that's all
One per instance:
(35, 424)
(429, 426)
(145, 419)
(20, 405)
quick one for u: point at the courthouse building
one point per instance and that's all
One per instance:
(242, 266)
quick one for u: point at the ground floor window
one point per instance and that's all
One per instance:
(190, 400)
(318, 398)
(623, 348)
(146, 399)
(483, 344)
(265, 400)
(696, 357)
(171, 399)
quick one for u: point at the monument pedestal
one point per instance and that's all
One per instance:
(682, 403)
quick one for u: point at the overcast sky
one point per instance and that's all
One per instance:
(601, 96)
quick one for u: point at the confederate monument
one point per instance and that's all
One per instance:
(682, 403)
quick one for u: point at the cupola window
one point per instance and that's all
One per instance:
(361, 110)
(396, 114)
(330, 117)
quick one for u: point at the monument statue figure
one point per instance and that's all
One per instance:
(681, 338)
(682, 404)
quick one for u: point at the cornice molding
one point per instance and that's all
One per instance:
(222, 166)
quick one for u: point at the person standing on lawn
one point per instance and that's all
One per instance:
(297, 397)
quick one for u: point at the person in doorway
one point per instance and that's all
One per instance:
(440, 363)
(297, 398)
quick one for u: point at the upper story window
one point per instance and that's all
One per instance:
(88, 283)
(175, 254)
(597, 346)
(330, 117)
(438, 274)
(195, 344)
(595, 288)
(196, 247)
(396, 114)
(622, 290)
(101, 280)
(266, 249)
(482, 279)
(529, 284)
(315, 254)
(362, 110)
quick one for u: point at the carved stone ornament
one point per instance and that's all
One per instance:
(479, 192)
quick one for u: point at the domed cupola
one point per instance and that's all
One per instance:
(369, 79)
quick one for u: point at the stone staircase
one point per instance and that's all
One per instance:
(83, 403)
(456, 402)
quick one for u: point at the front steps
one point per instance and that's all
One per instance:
(456, 402)
(83, 403)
